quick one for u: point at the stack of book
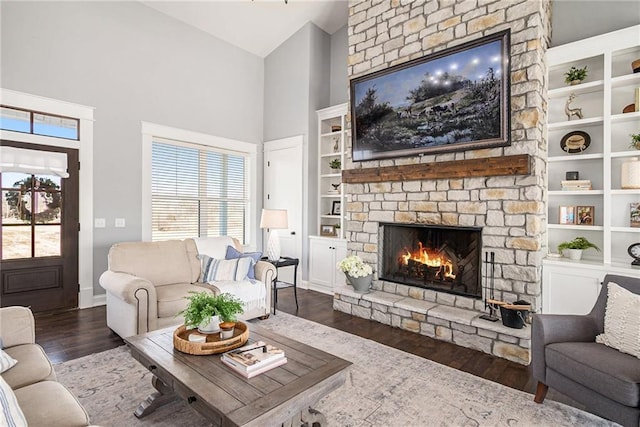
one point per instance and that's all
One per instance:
(576, 185)
(254, 359)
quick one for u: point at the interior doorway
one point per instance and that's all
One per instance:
(283, 159)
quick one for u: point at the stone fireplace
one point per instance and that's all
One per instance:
(508, 209)
(445, 259)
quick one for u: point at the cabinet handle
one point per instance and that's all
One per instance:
(191, 399)
(152, 367)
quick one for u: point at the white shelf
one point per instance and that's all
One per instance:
(336, 133)
(626, 192)
(625, 117)
(575, 227)
(625, 229)
(588, 87)
(576, 193)
(331, 175)
(627, 80)
(331, 196)
(576, 123)
(634, 153)
(330, 216)
(331, 155)
(570, 157)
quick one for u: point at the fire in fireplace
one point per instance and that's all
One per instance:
(441, 258)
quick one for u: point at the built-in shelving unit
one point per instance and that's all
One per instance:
(329, 246)
(331, 147)
(608, 88)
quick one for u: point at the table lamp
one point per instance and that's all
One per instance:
(274, 219)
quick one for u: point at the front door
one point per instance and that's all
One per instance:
(39, 235)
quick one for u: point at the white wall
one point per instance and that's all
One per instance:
(132, 63)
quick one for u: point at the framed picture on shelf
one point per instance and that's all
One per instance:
(567, 215)
(452, 100)
(634, 214)
(328, 230)
(336, 208)
(585, 215)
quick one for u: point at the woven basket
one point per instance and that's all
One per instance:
(213, 345)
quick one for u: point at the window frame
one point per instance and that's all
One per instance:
(153, 132)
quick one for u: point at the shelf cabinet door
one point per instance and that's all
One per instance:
(324, 254)
(570, 290)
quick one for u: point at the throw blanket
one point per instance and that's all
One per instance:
(252, 293)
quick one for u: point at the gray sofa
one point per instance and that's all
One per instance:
(566, 357)
(43, 400)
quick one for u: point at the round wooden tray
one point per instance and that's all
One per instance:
(214, 344)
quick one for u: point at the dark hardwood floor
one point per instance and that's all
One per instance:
(71, 334)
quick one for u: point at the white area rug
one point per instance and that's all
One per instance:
(384, 387)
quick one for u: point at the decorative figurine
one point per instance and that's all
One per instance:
(572, 111)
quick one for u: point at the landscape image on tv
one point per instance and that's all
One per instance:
(444, 102)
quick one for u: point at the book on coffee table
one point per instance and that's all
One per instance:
(254, 359)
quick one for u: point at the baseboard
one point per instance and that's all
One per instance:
(319, 288)
(99, 300)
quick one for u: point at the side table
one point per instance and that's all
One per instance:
(278, 284)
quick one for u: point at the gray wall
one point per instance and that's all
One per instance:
(132, 63)
(339, 91)
(576, 20)
(296, 84)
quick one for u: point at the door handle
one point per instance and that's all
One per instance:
(293, 233)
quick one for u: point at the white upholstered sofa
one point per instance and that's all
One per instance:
(147, 282)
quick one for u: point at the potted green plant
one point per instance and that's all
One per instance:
(575, 75)
(358, 273)
(573, 249)
(635, 141)
(335, 164)
(228, 308)
(202, 312)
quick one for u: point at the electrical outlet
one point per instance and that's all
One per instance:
(120, 223)
(99, 223)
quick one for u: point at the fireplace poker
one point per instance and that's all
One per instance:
(490, 302)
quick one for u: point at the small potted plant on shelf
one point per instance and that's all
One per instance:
(359, 274)
(575, 75)
(202, 312)
(573, 249)
(335, 164)
(228, 308)
(635, 141)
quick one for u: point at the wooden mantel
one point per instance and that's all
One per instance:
(491, 166)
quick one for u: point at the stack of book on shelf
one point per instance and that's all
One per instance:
(576, 185)
(254, 359)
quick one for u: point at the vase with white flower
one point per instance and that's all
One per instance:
(359, 274)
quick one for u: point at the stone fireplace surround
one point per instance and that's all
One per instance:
(509, 209)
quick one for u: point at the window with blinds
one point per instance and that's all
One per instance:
(197, 191)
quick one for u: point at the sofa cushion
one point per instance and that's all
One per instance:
(603, 369)
(233, 253)
(49, 403)
(9, 407)
(172, 298)
(621, 320)
(225, 269)
(215, 247)
(6, 362)
(33, 366)
(162, 263)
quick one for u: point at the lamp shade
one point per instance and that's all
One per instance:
(274, 218)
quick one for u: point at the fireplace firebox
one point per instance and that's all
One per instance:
(440, 258)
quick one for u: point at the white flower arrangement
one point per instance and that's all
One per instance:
(355, 267)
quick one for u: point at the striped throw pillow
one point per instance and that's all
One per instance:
(9, 408)
(6, 361)
(225, 269)
(621, 320)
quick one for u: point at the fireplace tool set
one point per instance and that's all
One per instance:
(513, 315)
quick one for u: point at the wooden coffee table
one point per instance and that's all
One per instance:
(283, 395)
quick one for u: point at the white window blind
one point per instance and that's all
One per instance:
(197, 191)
